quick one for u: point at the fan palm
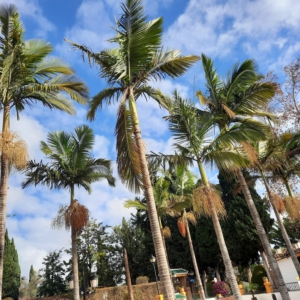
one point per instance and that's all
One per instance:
(71, 166)
(128, 70)
(27, 75)
(236, 100)
(195, 142)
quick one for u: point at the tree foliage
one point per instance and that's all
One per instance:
(53, 275)
(11, 270)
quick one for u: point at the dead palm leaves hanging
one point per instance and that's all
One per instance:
(277, 202)
(166, 232)
(14, 149)
(204, 198)
(74, 216)
(292, 206)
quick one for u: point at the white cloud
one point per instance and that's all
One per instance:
(31, 9)
(218, 28)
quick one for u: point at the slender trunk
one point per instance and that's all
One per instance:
(249, 273)
(204, 282)
(288, 187)
(74, 256)
(201, 291)
(264, 239)
(224, 251)
(128, 278)
(162, 264)
(282, 228)
(3, 190)
(217, 273)
(164, 240)
(267, 268)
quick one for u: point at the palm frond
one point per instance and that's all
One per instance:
(129, 168)
(110, 95)
(135, 204)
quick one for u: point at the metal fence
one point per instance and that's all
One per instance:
(293, 286)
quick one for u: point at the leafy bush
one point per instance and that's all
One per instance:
(141, 280)
(221, 287)
(257, 276)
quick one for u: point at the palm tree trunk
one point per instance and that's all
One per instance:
(128, 278)
(162, 264)
(3, 190)
(201, 291)
(282, 228)
(249, 273)
(164, 240)
(217, 273)
(267, 268)
(204, 282)
(288, 187)
(264, 239)
(224, 251)
(75, 256)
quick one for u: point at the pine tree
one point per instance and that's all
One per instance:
(53, 275)
(11, 270)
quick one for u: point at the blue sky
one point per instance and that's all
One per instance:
(228, 31)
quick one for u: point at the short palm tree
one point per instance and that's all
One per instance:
(183, 184)
(27, 75)
(236, 100)
(71, 165)
(195, 143)
(128, 70)
(166, 204)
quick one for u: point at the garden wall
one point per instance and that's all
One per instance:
(294, 296)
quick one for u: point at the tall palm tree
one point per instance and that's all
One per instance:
(27, 76)
(278, 157)
(128, 70)
(193, 133)
(71, 165)
(236, 100)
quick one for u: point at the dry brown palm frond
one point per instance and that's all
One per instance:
(77, 216)
(189, 216)
(250, 152)
(166, 232)
(278, 203)
(292, 206)
(204, 198)
(14, 149)
(60, 220)
(181, 227)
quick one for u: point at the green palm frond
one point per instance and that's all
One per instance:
(110, 95)
(212, 80)
(135, 204)
(71, 162)
(129, 168)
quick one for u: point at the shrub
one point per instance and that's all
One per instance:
(141, 280)
(221, 287)
(257, 276)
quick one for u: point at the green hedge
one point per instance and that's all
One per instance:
(257, 276)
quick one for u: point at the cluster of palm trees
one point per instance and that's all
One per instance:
(229, 130)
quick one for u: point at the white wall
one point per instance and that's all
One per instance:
(288, 270)
(293, 295)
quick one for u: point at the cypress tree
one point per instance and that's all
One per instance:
(11, 270)
(31, 274)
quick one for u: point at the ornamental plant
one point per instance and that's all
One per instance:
(221, 287)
